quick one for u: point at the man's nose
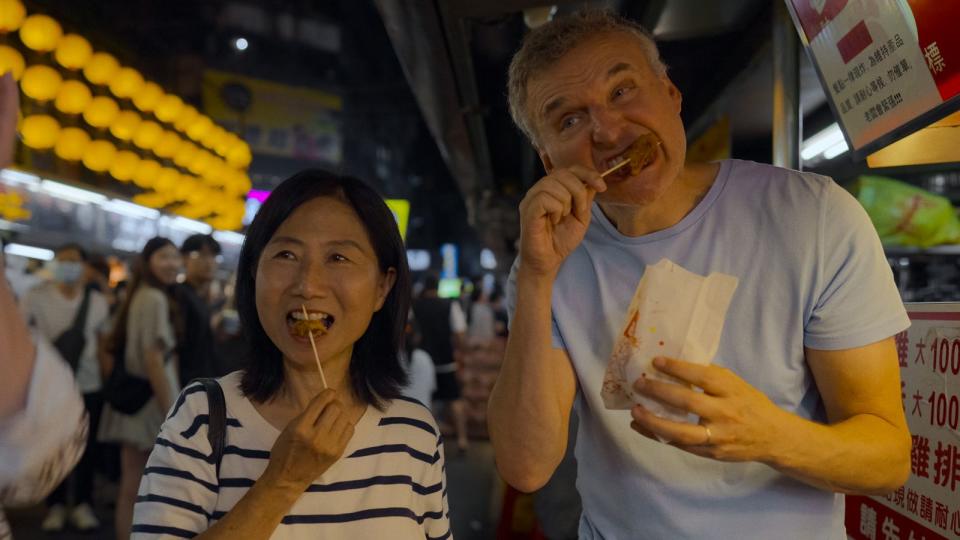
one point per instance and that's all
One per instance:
(607, 125)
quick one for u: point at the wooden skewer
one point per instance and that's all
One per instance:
(314, 346)
(614, 168)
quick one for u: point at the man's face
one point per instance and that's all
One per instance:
(593, 104)
(201, 265)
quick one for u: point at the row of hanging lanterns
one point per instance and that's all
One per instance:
(184, 158)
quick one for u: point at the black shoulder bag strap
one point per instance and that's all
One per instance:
(217, 428)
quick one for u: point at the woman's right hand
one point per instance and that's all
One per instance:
(554, 217)
(311, 443)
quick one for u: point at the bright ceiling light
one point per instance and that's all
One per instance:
(29, 252)
(835, 150)
(228, 237)
(19, 177)
(240, 44)
(70, 193)
(488, 260)
(129, 209)
(191, 225)
(820, 142)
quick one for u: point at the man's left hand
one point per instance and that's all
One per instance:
(737, 421)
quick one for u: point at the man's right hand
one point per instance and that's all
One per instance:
(554, 217)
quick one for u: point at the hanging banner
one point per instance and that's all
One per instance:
(888, 67)
(276, 119)
(928, 505)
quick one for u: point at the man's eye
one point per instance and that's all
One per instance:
(621, 91)
(568, 122)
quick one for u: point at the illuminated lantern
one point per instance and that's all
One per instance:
(224, 143)
(11, 60)
(12, 14)
(213, 137)
(101, 68)
(41, 82)
(169, 108)
(150, 200)
(185, 154)
(39, 131)
(99, 156)
(167, 180)
(125, 125)
(126, 83)
(71, 144)
(199, 128)
(73, 51)
(197, 198)
(73, 97)
(184, 187)
(147, 134)
(240, 156)
(101, 112)
(124, 165)
(168, 145)
(202, 163)
(186, 117)
(148, 96)
(40, 33)
(146, 174)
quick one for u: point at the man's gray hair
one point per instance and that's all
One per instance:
(543, 46)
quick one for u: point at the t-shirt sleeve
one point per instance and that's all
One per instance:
(436, 522)
(556, 340)
(153, 323)
(178, 491)
(458, 321)
(856, 301)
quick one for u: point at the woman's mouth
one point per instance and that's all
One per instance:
(313, 323)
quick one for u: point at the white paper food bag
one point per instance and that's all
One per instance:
(674, 313)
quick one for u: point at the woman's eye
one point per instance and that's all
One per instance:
(284, 255)
(336, 257)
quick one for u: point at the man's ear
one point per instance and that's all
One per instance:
(674, 92)
(545, 159)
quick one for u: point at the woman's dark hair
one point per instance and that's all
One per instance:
(375, 369)
(142, 275)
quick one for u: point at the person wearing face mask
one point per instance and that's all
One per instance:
(144, 337)
(69, 316)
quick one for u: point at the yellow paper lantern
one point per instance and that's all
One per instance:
(147, 98)
(101, 68)
(40, 33)
(71, 144)
(41, 82)
(199, 128)
(147, 134)
(126, 83)
(150, 200)
(73, 51)
(169, 108)
(168, 145)
(186, 117)
(73, 97)
(185, 154)
(11, 60)
(12, 14)
(184, 187)
(39, 131)
(99, 156)
(125, 125)
(167, 180)
(202, 163)
(146, 174)
(240, 156)
(124, 165)
(224, 143)
(101, 112)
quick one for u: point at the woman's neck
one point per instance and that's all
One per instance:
(303, 383)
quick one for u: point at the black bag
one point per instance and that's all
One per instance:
(72, 341)
(217, 429)
(124, 392)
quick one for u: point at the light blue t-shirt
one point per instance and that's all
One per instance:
(812, 273)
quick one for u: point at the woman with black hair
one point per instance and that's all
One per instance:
(145, 330)
(352, 460)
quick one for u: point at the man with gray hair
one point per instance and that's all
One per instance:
(801, 403)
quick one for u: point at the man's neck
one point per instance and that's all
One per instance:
(201, 286)
(680, 199)
(69, 290)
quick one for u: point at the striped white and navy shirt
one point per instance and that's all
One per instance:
(390, 482)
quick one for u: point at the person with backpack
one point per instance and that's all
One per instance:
(68, 315)
(142, 384)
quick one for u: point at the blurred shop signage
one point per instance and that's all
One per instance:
(401, 212)
(928, 506)
(888, 67)
(276, 119)
(448, 254)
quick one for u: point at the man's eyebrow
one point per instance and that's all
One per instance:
(622, 66)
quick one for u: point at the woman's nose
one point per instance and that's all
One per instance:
(312, 280)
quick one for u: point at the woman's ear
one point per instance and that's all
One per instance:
(387, 280)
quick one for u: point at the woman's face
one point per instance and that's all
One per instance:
(321, 258)
(165, 264)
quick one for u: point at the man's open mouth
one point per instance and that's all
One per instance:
(641, 154)
(315, 323)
